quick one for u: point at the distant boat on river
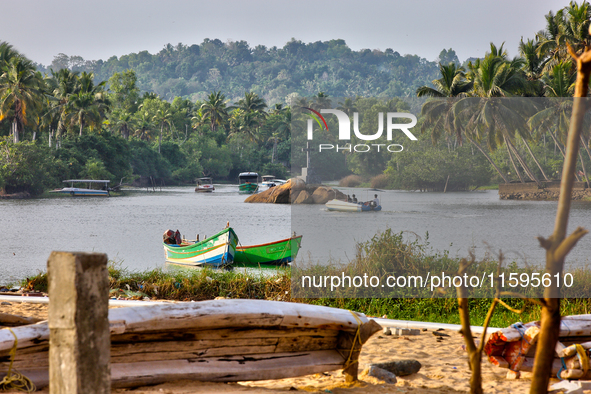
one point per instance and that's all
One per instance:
(270, 181)
(205, 185)
(344, 206)
(248, 182)
(86, 192)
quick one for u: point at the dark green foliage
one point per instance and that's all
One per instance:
(111, 151)
(147, 162)
(427, 168)
(26, 168)
(276, 169)
(234, 68)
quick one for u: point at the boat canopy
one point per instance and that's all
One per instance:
(248, 177)
(86, 181)
(268, 177)
(206, 180)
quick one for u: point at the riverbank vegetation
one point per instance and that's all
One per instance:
(217, 109)
(386, 254)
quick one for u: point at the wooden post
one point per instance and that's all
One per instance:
(79, 338)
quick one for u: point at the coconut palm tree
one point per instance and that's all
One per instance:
(247, 124)
(7, 52)
(61, 85)
(347, 106)
(499, 121)
(163, 117)
(452, 83)
(280, 123)
(439, 113)
(252, 102)
(554, 116)
(122, 121)
(89, 104)
(569, 25)
(215, 110)
(21, 94)
(144, 126)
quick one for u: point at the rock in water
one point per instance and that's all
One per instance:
(400, 367)
(300, 194)
(274, 195)
(303, 198)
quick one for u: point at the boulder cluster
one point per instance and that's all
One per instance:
(296, 191)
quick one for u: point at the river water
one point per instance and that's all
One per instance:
(129, 228)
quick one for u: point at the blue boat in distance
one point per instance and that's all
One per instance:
(101, 190)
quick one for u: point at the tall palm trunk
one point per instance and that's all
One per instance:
(586, 147)
(160, 137)
(513, 162)
(15, 131)
(556, 143)
(274, 151)
(490, 160)
(535, 159)
(583, 167)
(524, 165)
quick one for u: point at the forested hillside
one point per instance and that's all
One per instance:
(193, 71)
(217, 109)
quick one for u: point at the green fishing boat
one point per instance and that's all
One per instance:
(275, 253)
(248, 182)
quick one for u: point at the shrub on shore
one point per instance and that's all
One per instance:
(381, 181)
(351, 181)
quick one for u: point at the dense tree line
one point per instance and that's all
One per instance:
(511, 109)
(166, 115)
(193, 71)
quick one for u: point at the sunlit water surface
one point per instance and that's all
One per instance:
(129, 228)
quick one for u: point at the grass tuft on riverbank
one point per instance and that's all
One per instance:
(206, 284)
(387, 253)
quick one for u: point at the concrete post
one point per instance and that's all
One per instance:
(79, 338)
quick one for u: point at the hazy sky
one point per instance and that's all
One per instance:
(100, 29)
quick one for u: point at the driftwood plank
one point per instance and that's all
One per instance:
(221, 334)
(233, 313)
(206, 315)
(227, 369)
(8, 320)
(194, 351)
(31, 335)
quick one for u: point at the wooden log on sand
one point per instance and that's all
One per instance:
(220, 340)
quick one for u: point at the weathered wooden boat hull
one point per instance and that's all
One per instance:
(274, 253)
(220, 340)
(80, 192)
(343, 206)
(216, 251)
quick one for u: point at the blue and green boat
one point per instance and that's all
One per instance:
(248, 182)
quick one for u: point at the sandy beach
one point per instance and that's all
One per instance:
(444, 368)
